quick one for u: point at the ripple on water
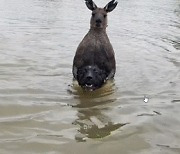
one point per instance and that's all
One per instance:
(40, 113)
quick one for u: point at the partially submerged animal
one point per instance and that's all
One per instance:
(94, 61)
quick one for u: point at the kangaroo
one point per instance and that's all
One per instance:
(94, 61)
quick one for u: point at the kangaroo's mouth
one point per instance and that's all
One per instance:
(98, 25)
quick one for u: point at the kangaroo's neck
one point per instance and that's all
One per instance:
(97, 31)
(97, 35)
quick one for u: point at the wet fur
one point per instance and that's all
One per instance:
(95, 50)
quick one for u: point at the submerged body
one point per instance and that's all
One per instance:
(94, 61)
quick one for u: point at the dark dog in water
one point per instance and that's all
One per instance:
(94, 61)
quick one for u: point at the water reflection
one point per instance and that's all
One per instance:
(91, 106)
(93, 124)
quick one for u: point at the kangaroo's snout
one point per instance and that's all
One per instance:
(98, 21)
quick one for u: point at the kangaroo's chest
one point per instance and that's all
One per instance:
(95, 53)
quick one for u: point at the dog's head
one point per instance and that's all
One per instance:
(91, 77)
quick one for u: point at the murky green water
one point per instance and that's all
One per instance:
(43, 111)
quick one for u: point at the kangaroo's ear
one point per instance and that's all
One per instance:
(90, 4)
(110, 6)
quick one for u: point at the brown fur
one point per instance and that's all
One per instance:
(95, 48)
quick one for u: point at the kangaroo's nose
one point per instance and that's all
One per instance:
(98, 21)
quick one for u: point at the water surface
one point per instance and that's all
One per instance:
(43, 111)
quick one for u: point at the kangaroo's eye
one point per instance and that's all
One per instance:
(105, 16)
(93, 14)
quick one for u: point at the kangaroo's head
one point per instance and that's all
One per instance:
(99, 15)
